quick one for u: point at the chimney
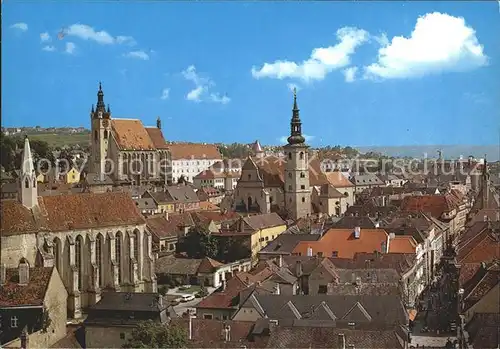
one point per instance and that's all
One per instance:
(485, 218)
(166, 215)
(3, 274)
(298, 268)
(24, 338)
(190, 326)
(357, 232)
(280, 261)
(277, 289)
(392, 236)
(24, 273)
(309, 251)
(358, 281)
(223, 285)
(341, 341)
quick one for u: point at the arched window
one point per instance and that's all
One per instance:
(249, 176)
(290, 156)
(26, 183)
(302, 175)
(289, 174)
(136, 245)
(78, 260)
(303, 199)
(118, 255)
(98, 257)
(105, 134)
(57, 255)
(301, 155)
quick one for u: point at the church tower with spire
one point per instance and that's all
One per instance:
(297, 189)
(27, 180)
(100, 119)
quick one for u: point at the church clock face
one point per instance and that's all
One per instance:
(105, 123)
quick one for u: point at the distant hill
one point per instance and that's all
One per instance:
(448, 151)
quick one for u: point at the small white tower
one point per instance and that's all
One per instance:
(27, 179)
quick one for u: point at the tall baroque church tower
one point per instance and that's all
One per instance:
(101, 132)
(297, 188)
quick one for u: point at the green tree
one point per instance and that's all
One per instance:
(150, 334)
(199, 243)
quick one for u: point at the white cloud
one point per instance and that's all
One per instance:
(45, 37)
(322, 61)
(20, 26)
(195, 94)
(293, 87)
(128, 40)
(350, 74)
(49, 48)
(439, 42)
(284, 139)
(70, 48)
(137, 54)
(217, 98)
(86, 32)
(165, 94)
(203, 85)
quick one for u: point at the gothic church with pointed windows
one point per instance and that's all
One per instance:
(98, 242)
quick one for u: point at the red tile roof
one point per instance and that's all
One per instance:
(69, 212)
(224, 299)
(436, 205)
(15, 218)
(12, 294)
(343, 241)
(130, 134)
(209, 333)
(163, 228)
(402, 244)
(194, 151)
(89, 210)
(338, 180)
(208, 265)
(157, 137)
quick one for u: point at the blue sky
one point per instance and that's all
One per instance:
(367, 73)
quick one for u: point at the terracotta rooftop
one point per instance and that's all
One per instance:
(272, 169)
(436, 205)
(208, 265)
(12, 294)
(338, 180)
(130, 134)
(181, 151)
(156, 137)
(264, 221)
(402, 244)
(69, 212)
(224, 299)
(163, 228)
(209, 333)
(342, 243)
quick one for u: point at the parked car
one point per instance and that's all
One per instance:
(187, 297)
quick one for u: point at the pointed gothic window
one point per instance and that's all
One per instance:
(98, 257)
(26, 183)
(136, 245)
(118, 255)
(78, 260)
(301, 155)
